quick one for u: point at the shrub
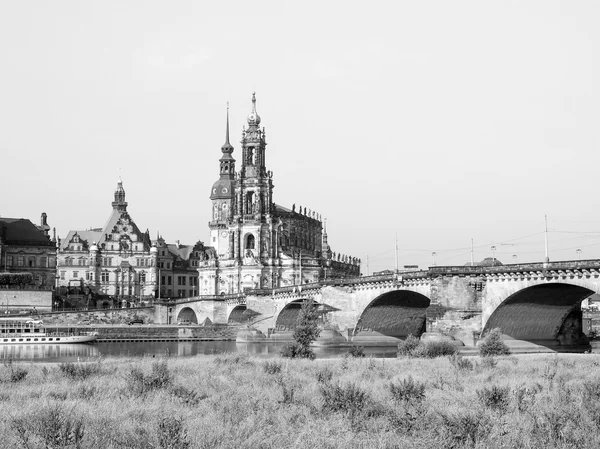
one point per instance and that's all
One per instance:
(465, 428)
(408, 390)
(159, 378)
(488, 362)
(324, 375)
(460, 363)
(357, 351)
(16, 278)
(232, 358)
(492, 345)
(79, 371)
(56, 427)
(407, 346)
(187, 396)
(272, 367)
(295, 350)
(172, 433)
(433, 349)
(18, 374)
(349, 398)
(497, 398)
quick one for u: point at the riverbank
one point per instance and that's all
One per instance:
(232, 400)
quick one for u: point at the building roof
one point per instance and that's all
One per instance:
(22, 231)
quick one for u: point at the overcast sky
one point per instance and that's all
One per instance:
(439, 121)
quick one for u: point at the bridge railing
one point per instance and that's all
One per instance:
(515, 268)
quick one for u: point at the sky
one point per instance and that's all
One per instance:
(432, 123)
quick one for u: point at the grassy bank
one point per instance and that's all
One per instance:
(232, 401)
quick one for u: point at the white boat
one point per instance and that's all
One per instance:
(14, 332)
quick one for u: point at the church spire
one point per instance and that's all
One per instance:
(227, 147)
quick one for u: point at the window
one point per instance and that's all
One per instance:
(143, 276)
(31, 262)
(181, 293)
(161, 265)
(9, 261)
(180, 280)
(168, 265)
(68, 261)
(62, 274)
(20, 261)
(76, 274)
(43, 261)
(162, 280)
(169, 282)
(105, 276)
(80, 262)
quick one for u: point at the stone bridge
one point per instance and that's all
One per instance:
(538, 302)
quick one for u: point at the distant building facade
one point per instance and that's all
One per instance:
(178, 269)
(256, 243)
(27, 248)
(117, 261)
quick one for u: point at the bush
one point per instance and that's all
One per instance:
(356, 351)
(232, 358)
(465, 428)
(296, 350)
(159, 378)
(18, 374)
(491, 344)
(324, 375)
(79, 371)
(16, 278)
(272, 367)
(460, 363)
(433, 349)
(407, 346)
(408, 390)
(497, 398)
(54, 426)
(172, 433)
(346, 399)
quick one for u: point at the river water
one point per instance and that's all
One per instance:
(90, 352)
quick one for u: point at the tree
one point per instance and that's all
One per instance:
(305, 333)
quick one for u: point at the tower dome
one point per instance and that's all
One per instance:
(253, 117)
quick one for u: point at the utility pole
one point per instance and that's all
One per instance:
(547, 259)
(396, 253)
(472, 261)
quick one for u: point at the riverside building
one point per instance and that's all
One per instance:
(254, 242)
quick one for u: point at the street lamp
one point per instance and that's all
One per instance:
(493, 256)
(433, 254)
(514, 258)
(578, 251)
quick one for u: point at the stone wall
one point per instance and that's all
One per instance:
(101, 316)
(25, 300)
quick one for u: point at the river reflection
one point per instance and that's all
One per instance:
(74, 352)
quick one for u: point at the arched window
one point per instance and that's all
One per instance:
(250, 241)
(143, 276)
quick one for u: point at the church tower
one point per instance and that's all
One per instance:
(253, 237)
(222, 198)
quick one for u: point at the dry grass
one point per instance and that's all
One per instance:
(530, 401)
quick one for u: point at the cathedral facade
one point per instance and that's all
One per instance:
(256, 243)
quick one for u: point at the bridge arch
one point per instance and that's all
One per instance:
(241, 314)
(549, 312)
(187, 313)
(397, 313)
(288, 316)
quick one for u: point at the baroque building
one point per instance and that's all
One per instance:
(177, 269)
(116, 263)
(256, 243)
(27, 248)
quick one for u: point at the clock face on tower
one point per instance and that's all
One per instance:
(224, 234)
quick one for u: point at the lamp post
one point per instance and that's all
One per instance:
(514, 256)
(578, 251)
(493, 248)
(433, 254)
